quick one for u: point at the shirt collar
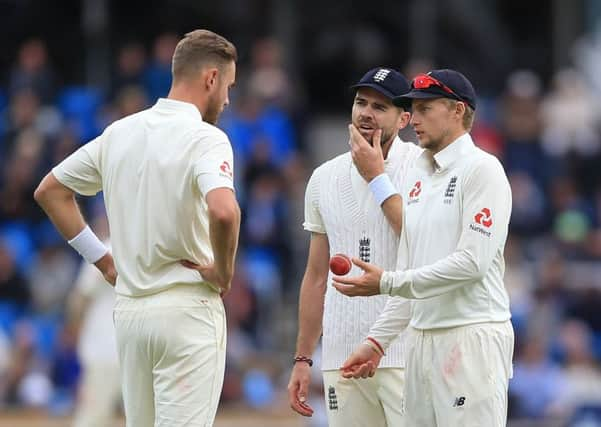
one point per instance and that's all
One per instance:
(165, 104)
(455, 150)
(447, 156)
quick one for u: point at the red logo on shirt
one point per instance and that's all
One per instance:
(417, 188)
(484, 218)
(226, 169)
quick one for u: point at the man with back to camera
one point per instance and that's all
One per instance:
(166, 173)
(456, 209)
(352, 207)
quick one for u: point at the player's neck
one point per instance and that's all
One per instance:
(386, 147)
(447, 140)
(187, 94)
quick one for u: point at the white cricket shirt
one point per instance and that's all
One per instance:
(338, 202)
(455, 222)
(155, 168)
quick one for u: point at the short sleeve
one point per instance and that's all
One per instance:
(313, 221)
(81, 170)
(215, 167)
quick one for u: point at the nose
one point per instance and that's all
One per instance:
(366, 113)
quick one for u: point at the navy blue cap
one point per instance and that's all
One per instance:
(388, 82)
(454, 80)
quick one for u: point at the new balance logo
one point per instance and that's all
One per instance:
(381, 75)
(365, 249)
(332, 399)
(459, 401)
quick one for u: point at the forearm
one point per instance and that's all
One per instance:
(393, 211)
(392, 321)
(310, 316)
(457, 270)
(59, 204)
(224, 242)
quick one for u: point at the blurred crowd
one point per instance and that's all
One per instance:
(547, 134)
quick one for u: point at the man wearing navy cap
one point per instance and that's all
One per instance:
(456, 209)
(352, 206)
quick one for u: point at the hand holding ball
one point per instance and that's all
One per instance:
(340, 264)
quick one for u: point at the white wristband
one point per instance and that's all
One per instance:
(382, 188)
(88, 245)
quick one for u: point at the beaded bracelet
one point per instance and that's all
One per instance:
(303, 359)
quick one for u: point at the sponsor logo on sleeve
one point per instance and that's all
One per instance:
(226, 169)
(483, 221)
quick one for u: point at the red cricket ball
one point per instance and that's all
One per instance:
(340, 264)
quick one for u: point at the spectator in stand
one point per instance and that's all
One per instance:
(129, 69)
(536, 382)
(32, 71)
(157, 76)
(582, 385)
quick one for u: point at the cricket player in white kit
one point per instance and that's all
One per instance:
(166, 173)
(346, 213)
(457, 204)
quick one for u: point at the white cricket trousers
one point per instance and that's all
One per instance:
(172, 352)
(370, 402)
(458, 377)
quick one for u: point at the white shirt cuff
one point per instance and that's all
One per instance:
(386, 282)
(397, 283)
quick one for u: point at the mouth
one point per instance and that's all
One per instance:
(366, 127)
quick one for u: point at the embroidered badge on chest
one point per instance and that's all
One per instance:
(332, 399)
(365, 248)
(450, 191)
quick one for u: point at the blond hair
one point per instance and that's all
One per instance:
(200, 48)
(468, 115)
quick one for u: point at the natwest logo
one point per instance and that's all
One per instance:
(484, 218)
(417, 188)
(226, 169)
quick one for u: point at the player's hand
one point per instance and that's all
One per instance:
(362, 363)
(367, 284)
(368, 159)
(106, 265)
(298, 389)
(209, 274)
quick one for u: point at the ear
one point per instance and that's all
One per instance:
(460, 109)
(210, 78)
(403, 119)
